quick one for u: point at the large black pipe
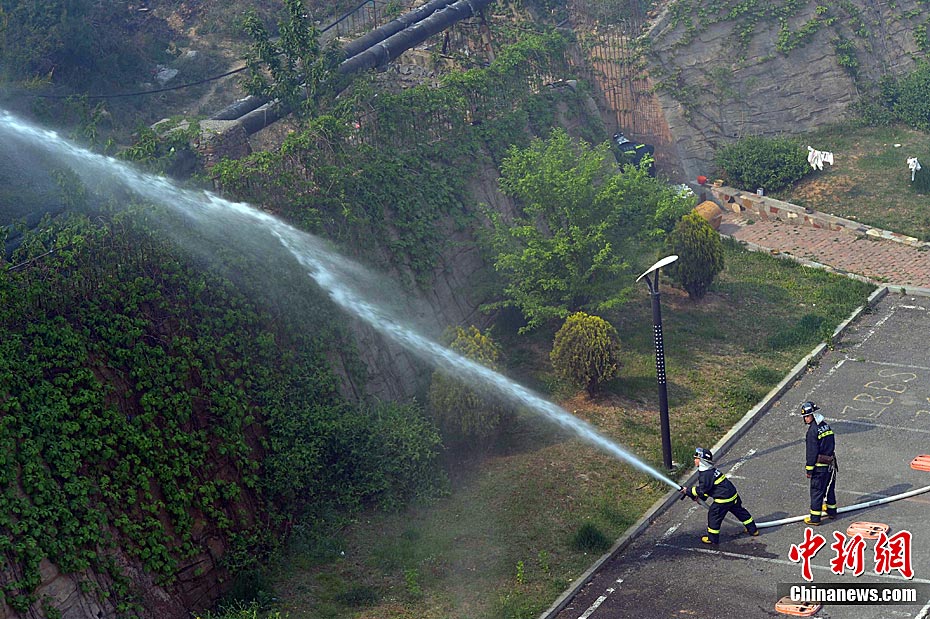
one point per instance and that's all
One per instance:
(377, 55)
(240, 108)
(243, 106)
(394, 26)
(395, 45)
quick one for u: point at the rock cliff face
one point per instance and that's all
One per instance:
(727, 70)
(393, 372)
(451, 298)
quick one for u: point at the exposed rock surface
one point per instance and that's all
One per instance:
(451, 298)
(717, 89)
(222, 138)
(91, 595)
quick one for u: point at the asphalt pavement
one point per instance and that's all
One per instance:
(873, 387)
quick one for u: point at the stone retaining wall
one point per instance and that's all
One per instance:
(763, 207)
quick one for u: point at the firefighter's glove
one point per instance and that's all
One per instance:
(684, 493)
(808, 474)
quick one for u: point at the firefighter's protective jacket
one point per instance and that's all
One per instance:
(820, 442)
(714, 484)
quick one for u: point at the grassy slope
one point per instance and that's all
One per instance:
(869, 181)
(461, 558)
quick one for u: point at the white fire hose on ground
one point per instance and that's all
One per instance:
(841, 510)
(849, 508)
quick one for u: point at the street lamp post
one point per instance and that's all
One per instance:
(653, 284)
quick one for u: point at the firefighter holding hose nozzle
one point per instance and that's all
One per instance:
(715, 485)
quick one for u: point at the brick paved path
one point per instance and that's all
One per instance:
(880, 260)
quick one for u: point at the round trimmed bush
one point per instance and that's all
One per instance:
(700, 254)
(586, 351)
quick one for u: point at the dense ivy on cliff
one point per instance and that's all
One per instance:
(148, 404)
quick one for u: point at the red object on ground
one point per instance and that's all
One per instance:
(701, 180)
(868, 530)
(801, 609)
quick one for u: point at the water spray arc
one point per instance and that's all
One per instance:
(332, 272)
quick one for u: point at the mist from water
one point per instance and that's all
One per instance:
(346, 282)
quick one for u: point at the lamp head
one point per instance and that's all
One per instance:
(658, 265)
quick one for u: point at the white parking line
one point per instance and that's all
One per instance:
(740, 462)
(907, 429)
(599, 601)
(881, 321)
(904, 366)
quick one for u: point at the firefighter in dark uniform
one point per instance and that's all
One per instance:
(714, 484)
(820, 464)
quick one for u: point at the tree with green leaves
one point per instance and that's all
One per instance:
(467, 413)
(577, 218)
(586, 352)
(700, 254)
(291, 68)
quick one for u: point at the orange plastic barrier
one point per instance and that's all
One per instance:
(921, 463)
(868, 530)
(801, 609)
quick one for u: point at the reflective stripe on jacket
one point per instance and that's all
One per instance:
(820, 442)
(714, 484)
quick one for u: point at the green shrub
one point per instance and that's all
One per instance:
(585, 351)
(395, 456)
(769, 163)
(903, 99)
(412, 583)
(911, 103)
(700, 254)
(671, 207)
(326, 454)
(589, 538)
(249, 589)
(249, 611)
(467, 414)
(872, 114)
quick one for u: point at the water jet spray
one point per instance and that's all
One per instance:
(335, 274)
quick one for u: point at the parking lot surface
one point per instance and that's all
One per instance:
(873, 387)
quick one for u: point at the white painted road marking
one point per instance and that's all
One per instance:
(599, 601)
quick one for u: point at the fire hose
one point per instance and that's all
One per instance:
(841, 510)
